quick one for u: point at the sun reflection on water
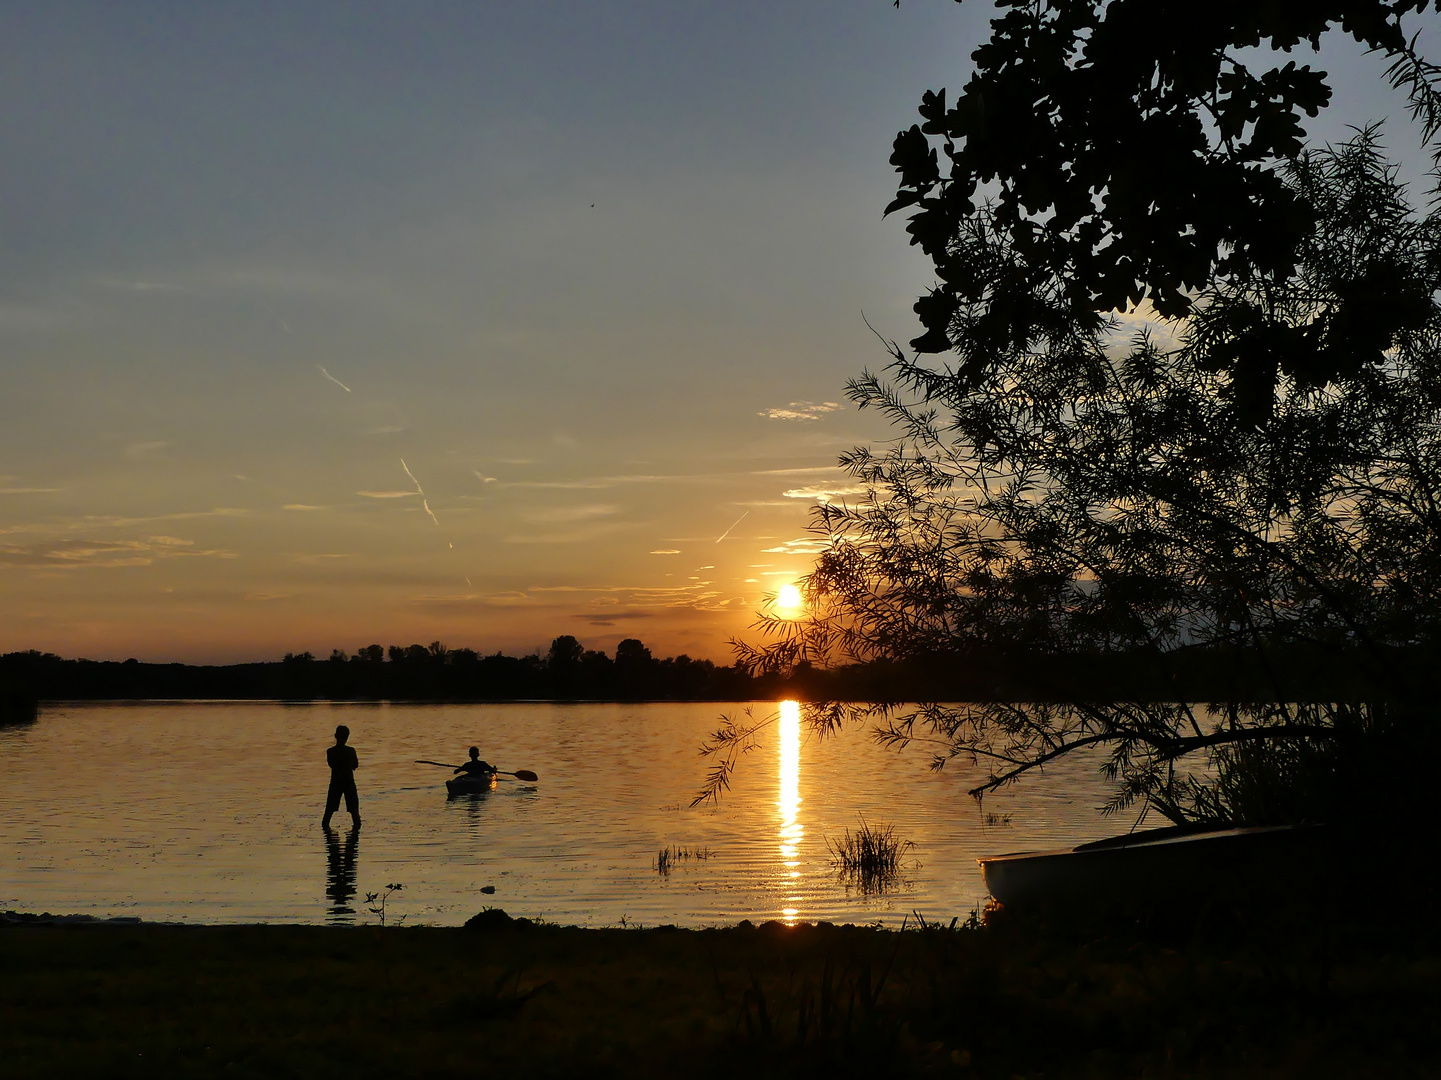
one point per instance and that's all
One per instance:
(791, 830)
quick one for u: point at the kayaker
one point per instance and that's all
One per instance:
(343, 763)
(475, 767)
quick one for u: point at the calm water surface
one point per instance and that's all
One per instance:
(210, 812)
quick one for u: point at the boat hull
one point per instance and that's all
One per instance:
(470, 785)
(1156, 867)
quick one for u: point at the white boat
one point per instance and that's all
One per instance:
(1154, 866)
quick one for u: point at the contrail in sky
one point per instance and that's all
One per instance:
(423, 501)
(340, 384)
(738, 520)
(426, 503)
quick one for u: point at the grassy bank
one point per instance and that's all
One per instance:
(1011, 999)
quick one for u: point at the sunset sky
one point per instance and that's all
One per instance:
(324, 324)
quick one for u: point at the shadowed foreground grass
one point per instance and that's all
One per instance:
(1010, 999)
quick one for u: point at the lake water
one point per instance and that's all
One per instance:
(209, 812)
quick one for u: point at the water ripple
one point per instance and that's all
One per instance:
(209, 812)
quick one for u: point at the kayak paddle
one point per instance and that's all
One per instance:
(519, 774)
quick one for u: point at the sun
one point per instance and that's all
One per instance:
(789, 600)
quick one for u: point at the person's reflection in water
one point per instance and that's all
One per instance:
(340, 874)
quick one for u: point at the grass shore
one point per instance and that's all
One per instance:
(1014, 998)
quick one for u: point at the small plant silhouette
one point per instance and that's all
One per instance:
(870, 858)
(667, 857)
(375, 901)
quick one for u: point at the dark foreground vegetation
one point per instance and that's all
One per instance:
(1273, 998)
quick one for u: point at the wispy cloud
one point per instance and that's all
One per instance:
(601, 483)
(301, 506)
(115, 521)
(640, 596)
(559, 515)
(610, 618)
(802, 410)
(64, 554)
(509, 599)
(801, 470)
(388, 494)
(598, 483)
(805, 545)
(28, 491)
(823, 494)
(322, 557)
(606, 602)
(666, 551)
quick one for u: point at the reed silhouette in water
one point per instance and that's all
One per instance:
(343, 763)
(340, 874)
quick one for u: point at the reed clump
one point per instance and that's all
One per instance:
(667, 858)
(869, 858)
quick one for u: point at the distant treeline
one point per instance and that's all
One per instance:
(569, 672)
(414, 673)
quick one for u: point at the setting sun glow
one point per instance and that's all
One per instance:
(789, 601)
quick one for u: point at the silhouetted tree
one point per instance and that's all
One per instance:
(565, 651)
(411, 654)
(631, 653)
(1125, 150)
(1258, 466)
(634, 670)
(1103, 494)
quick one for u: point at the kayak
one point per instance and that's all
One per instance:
(470, 785)
(1154, 866)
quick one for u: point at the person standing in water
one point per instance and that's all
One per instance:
(343, 763)
(475, 767)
